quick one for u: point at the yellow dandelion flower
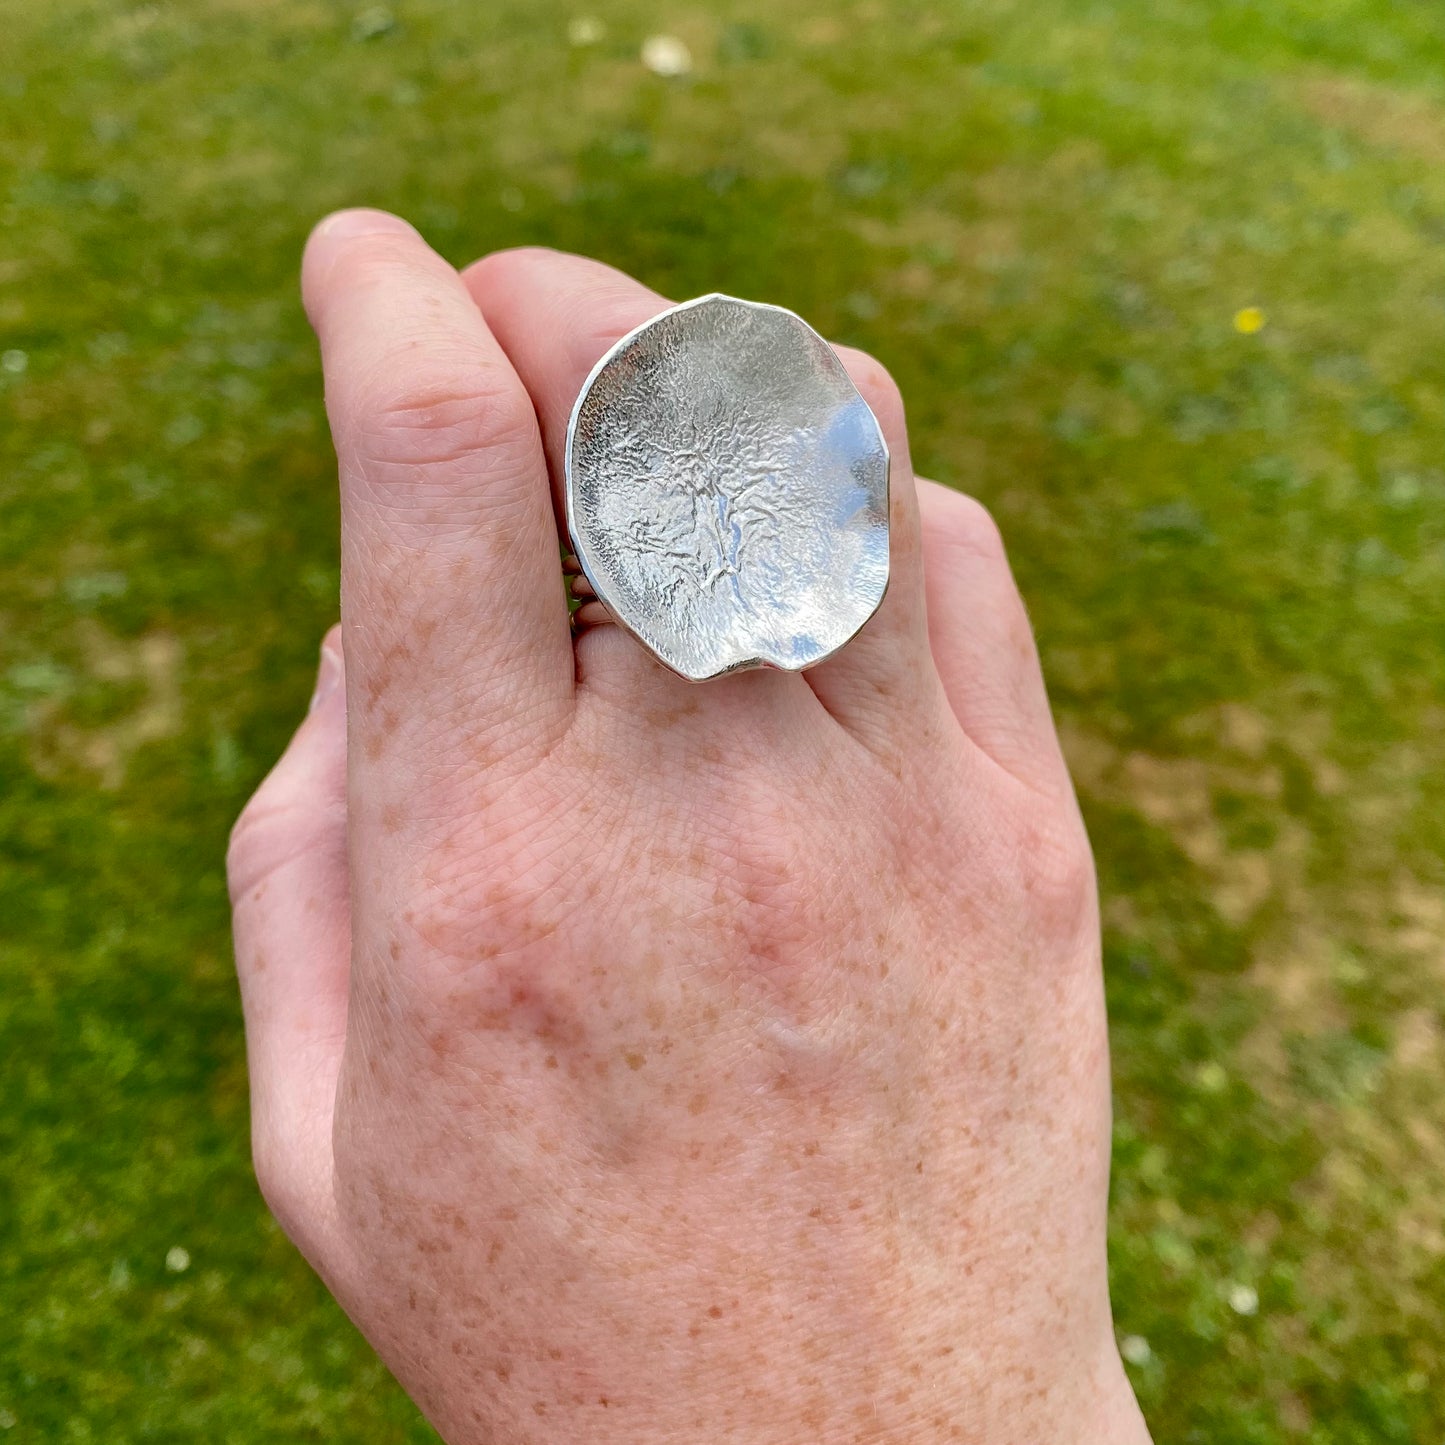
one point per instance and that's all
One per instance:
(1250, 321)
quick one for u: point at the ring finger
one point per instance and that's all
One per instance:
(555, 315)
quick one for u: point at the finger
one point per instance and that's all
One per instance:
(982, 643)
(556, 315)
(455, 615)
(878, 684)
(291, 921)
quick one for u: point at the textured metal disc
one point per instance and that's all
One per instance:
(727, 490)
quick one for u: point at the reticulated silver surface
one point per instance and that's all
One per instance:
(727, 490)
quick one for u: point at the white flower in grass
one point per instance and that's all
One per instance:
(1135, 1349)
(178, 1260)
(586, 30)
(1243, 1299)
(666, 55)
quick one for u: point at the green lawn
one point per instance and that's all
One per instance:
(1046, 216)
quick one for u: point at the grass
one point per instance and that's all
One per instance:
(1046, 218)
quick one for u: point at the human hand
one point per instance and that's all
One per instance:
(640, 1061)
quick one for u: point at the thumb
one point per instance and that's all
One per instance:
(291, 919)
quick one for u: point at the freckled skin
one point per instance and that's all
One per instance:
(722, 1063)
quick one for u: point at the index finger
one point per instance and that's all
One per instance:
(453, 607)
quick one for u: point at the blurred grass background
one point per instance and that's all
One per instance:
(1164, 284)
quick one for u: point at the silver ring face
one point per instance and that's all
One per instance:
(727, 490)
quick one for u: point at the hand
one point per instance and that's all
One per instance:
(640, 1061)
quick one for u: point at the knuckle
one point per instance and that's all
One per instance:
(268, 1165)
(245, 848)
(501, 266)
(879, 390)
(1059, 878)
(277, 828)
(443, 412)
(280, 1187)
(964, 526)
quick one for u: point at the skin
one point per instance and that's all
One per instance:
(647, 1062)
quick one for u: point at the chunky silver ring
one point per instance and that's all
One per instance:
(727, 490)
